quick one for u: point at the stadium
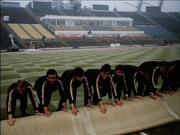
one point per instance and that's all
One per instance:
(46, 35)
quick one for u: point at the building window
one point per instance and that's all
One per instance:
(52, 21)
(119, 23)
(48, 21)
(99, 22)
(61, 22)
(91, 23)
(77, 22)
(84, 22)
(57, 21)
(127, 23)
(110, 23)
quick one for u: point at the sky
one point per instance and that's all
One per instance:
(168, 5)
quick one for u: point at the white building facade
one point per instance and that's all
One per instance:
(86, 21)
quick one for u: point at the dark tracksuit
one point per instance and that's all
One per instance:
(44, 91)
(70, 87)
(174, 75)
(13, 95)
(132, 76)
(101, 87)
(153, 71)
(120, 84)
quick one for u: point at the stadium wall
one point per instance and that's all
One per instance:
(71, 32)
(122, 33)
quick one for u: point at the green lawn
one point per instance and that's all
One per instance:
(32, 66)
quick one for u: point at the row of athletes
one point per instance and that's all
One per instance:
(103, 81)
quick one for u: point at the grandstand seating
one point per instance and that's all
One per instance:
(28, 29)
(137, 18)
(177, 15)
(156, 31)
(165, 21)
(98, 28)
(17, 15)
(68, 12)
(84, 13)
(81, 12)
(124, 28)
(43, 31)
(19, 31)
(44, 11)
(31, 31)
(103, 14)
(103, 38)
(128, 41)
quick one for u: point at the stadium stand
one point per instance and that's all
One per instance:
(43, 8)
(44, 11)
(31, 31)
(29, 28)
(5, 40)
(23, 25)
(103, 14)
(156, 31)
(86, 12)
(98, 28)
(124, 28)
(137, 18)
(43, 31)
(19, 31)
(70, 12)
(177, 15)
(165, 21)
(16, 15)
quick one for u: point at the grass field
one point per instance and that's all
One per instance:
(32, 65)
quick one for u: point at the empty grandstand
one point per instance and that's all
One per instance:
(156, 31)
(48, 26)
